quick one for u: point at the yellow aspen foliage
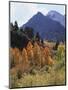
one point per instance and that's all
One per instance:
(25, 62)
(12, 58)
(43, 61)
(12, 52)
(30, 49)
(29, 45)
(50, 61)
(47, 52)
(60, 52)
(37, 54)
(47, 55)
(30, 54)
(61, 48)
(24, 55)
(16, 55)
(16, 50)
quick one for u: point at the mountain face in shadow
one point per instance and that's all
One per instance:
(48, 28)
(57, 17)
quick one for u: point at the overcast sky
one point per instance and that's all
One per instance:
(22, 12)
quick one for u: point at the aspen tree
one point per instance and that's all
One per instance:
(37, 54)
(30, 53)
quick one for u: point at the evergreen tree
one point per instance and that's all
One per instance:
(56, 45)
(16, 26)
(29, 32)
(11, 27)
(37, 37)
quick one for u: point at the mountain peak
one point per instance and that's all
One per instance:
(39, 13)
(54, 15)
(48, 28)
(54, 12)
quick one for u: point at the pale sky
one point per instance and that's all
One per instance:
(22, 12)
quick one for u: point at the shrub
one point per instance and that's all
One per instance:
(60, 52)
(33, 71)
(19, 74)
(12, 61)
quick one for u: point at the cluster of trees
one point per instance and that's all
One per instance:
(14, 27)
(30, 57)
(20, 37)
(27, 50)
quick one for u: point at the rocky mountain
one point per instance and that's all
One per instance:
(48, 26)
(57, 17)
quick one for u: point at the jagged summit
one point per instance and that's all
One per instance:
(54, 15)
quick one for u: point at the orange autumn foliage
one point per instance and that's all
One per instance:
(23, 61)
(17, 55)
(50, 61)
(43, 61)
(31, 55)
(37, 54)
(47, 56)
(29, 49)
(24, 56)
(47, 52)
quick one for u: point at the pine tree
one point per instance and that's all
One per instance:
(37, 37)
(11, 27)
(16, 26)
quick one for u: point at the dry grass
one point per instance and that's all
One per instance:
(41, 78)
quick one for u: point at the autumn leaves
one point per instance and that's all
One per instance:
(31, 56)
